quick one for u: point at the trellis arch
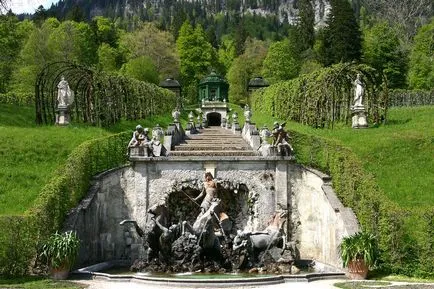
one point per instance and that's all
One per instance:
(101, 99)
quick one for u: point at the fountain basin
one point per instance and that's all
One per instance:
(117, 271)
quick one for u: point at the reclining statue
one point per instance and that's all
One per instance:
(262, 240)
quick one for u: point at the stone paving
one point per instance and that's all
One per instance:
(321, 284)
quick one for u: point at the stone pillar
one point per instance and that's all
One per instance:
(359, 117)
(62, 117)
(281, 181)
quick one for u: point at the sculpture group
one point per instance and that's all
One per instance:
(212, 243)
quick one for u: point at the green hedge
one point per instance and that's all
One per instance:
(402, 97)
(69, 184)
(22, 99)
(323, 97)
(406, 237)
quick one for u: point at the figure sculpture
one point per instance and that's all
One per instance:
(209, 191)
(176, 114)
(281, 139)
(359, 91)
(247, 113)
(64, 93)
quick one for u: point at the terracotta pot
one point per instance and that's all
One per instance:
(357, 269)
(60, 273)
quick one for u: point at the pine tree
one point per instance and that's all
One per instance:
(342, 37)
(306, 25)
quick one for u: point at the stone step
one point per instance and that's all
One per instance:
(213, 136)
(216, 147)
(213, 141)
(213, 153)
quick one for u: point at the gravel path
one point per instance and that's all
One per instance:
(321, 284)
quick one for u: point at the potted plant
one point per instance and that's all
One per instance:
(60, 252)
(358, 253)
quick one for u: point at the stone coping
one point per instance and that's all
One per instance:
(92, 271)
(210, 158)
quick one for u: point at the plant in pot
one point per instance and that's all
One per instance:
(60, 252)
(358, 253)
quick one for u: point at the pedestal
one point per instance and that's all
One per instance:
(359, 117)
(62, 116)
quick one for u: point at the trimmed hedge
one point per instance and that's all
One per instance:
(21, 99)
(69, 184)
(402, 97)
(324, 97)
(406, 237)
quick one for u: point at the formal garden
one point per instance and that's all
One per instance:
(383, 172)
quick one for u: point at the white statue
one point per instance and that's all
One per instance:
(65, 96)
(359, 91)
(176, 114)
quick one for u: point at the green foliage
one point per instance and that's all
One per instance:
(245, 67)
(341, 38)
(107, 58)
(323, 97)
(17, 245)
(60, 250)
(196, 55)
(142, 69)
(358, 246)
(421, 71)
(382, 51)
(306, 25)
(11, 39)
(281, 63)
(402, 97)
(158, 45)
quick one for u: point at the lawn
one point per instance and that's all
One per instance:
(29, 154)
(37, 283)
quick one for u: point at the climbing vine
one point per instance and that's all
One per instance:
(100, 99)
(324, 97)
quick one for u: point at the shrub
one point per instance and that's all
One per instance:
(402, 97)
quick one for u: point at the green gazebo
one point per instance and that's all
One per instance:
(213, 88)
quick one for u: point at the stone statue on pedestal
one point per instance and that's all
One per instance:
(64, 93)
(359, 119)
(359, 91)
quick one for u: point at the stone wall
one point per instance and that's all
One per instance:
(317, 220)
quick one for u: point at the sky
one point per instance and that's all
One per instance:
(28, 6)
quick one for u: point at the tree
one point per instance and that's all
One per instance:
(306, 25)
(281, 63)
(34, 56)
(227, 52)
(405, 15)
(196, 55)
(141, 68)
(421, 71)
(245, 67)
(157, 45)
(382, 50)
(342, 37)
(107, 56)
(9, 48)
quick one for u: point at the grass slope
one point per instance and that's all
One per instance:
(29, 154)
(400, 154)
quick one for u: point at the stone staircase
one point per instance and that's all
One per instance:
(213, 141)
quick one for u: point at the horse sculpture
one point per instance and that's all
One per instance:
(158, 218)
(204, 225)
